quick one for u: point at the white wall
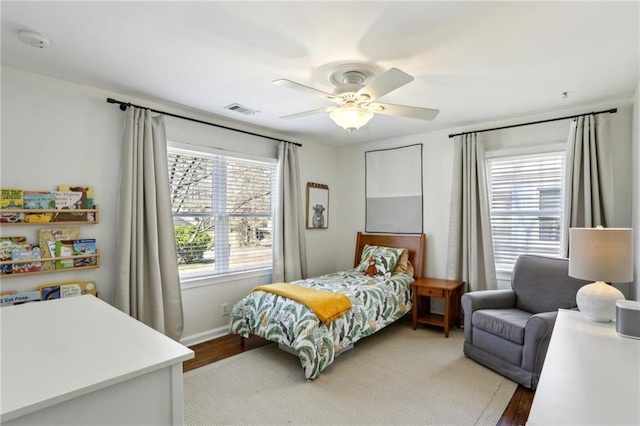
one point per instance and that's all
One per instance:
(55, 132)
(437, 165)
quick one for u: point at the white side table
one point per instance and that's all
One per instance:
(590, 375)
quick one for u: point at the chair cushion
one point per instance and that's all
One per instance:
(506, 323)
(543, 284)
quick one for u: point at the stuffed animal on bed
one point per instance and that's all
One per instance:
(371, 269)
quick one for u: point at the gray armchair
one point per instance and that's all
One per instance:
(509, 330)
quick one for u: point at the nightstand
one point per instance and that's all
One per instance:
(449, 290)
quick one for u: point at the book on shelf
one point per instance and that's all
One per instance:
(15, 298)
(7, 244)
(7, 298)
(68, 199)
(67, 289)
(87, 190)
(85, 202)
(47, 238)
(38, 200)
(31, 255)
(64, 248)
(84, 246)
(11, 199)
(49, 292)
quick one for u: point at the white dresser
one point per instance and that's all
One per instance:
(80, 361)
(590, 376)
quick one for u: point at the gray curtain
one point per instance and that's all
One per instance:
(588, 197)
(289, 246)
(147, 280)
(470, 251)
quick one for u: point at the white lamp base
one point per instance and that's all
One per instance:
(598, 301)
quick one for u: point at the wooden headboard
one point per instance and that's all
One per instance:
(414, 243)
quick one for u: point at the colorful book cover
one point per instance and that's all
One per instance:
(85, 202)
(46, 236)
(67, 289)
(64, 248)
(7, 244)
(11, 198)
(78, 289)
(11, 217)
(86, 189)
(29, 253)
(38, 200)
(19, 298)
(84, 246)
(68, 199)
(49, 291)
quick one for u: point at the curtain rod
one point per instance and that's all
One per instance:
(125, 105)
(612, 111)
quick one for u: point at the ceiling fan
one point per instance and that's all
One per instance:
(357, 89)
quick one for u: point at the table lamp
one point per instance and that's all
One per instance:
(602, 255)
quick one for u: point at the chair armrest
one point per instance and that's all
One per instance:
(487, 299)
(537, 336)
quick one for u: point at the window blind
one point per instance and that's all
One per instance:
(222, 210)
(526, 205)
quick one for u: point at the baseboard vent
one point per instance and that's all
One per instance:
(242, 109)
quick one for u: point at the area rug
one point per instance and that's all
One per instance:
(397, 376)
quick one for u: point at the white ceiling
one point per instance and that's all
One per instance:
(474, 61)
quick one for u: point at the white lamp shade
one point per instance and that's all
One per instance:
(601, 254)
(350, 117)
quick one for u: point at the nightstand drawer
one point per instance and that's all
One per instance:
(431, 292)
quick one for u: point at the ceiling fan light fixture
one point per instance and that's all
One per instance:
(351, 117)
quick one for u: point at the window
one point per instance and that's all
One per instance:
(526, 205)
(222, 212)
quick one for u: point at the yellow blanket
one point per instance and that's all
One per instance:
(326, 305)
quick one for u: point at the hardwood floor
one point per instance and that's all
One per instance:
(515, 414)
(518, 409)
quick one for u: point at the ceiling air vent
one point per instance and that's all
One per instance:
(242, 109)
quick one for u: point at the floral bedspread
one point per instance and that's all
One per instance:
(376, 302)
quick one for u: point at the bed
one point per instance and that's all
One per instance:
(377, 289)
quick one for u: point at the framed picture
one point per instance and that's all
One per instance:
(394, 200)
(317, 206)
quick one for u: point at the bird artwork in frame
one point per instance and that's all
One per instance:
(317, 206)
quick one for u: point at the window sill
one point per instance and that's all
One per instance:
(226, 278)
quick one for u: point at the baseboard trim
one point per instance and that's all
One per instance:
(205, 336)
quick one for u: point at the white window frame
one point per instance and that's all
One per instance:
(503, 274)
(205, 279)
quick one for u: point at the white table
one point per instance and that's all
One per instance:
(590, 375)
(80, 361)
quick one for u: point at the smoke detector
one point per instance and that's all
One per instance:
(33, 39)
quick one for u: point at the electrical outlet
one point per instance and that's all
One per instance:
(225, 309)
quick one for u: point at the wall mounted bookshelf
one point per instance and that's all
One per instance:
(51, 259)
(55, 213)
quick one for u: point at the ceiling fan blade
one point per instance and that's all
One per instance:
(305, 113)
(385, 83)
(405, 111)
(307, 89)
